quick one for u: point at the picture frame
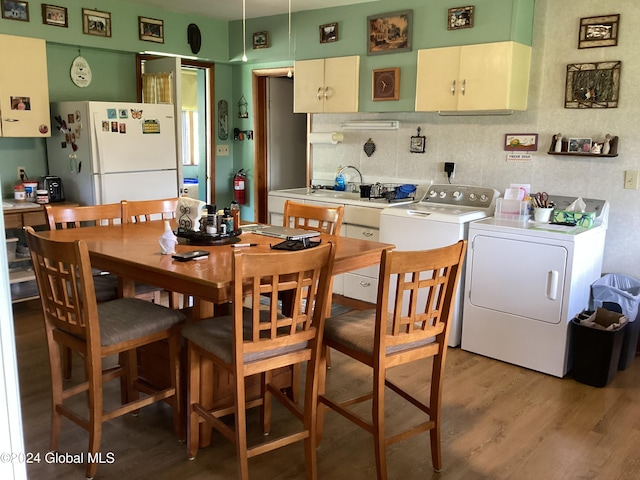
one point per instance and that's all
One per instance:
(151, 29)
(418, 143)
(516, 142)
(15, 10)
(95, 22)
(389, 32)
(385, 84)
(579, 145)
(55, 16)
(260, 40)
(329, 32)
(599, 31)
(460, 17)
(592, 85)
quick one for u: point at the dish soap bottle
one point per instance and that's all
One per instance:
(339, 181)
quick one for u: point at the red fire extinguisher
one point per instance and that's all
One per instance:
(240, 187)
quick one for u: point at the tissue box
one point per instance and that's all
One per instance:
(581, 219)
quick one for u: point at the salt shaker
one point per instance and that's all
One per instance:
(168, 240)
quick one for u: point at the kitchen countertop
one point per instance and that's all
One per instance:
(343, 198)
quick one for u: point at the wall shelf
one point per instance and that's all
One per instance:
(613, 152)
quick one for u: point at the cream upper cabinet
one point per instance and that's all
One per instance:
(329, 85)
(490, 76)
(24, 87)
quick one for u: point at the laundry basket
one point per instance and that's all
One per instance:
(621, 293)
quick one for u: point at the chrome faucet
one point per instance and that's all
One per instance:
(353, 188)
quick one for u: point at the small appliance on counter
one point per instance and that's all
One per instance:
(54, 188)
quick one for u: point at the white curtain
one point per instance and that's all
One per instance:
(156, 87)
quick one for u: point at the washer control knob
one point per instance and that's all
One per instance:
(473, 197)
(483, 198)
(457, 194)
(443, 194)
(433, 193)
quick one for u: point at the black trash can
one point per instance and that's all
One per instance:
(621, 293)
(596, 352)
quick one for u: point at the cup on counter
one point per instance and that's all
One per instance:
(365, 190)
(541, 214)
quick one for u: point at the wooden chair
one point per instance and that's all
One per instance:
(148, 210)
(313, 217)
(390, 335)
(73, 319)
(145, 211)
(106, 285)
(257, 341)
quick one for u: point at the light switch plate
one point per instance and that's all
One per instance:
(631, 179)
(222, 150)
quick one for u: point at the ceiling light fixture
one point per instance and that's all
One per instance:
(244, 31)
(289, 72)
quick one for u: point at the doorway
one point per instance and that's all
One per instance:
(281, 157)
(195, 136)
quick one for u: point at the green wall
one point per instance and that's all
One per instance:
(113, 60)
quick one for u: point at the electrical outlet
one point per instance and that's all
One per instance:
(631, 179)
(22, 173)
(222, 150)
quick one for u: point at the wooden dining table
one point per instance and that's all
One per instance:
(132, 251)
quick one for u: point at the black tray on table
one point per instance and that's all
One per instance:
(203, 238)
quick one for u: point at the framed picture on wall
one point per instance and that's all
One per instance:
(329, 33)
(261, 40)
(54, 15)
(599, 31)
(95, 22)
(151, 30)
(15, 10)
(389, 32)
(460, 17)
(592, 85)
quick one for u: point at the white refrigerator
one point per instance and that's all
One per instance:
(106, 152)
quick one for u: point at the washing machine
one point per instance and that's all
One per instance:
(525, 282)
(440, 218)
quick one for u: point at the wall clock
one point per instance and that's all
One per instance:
(386, 84)
(80, 72)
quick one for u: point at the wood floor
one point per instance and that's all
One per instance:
(499, 422)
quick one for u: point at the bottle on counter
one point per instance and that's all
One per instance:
(235, 213)
(339, 183)
(19, 193)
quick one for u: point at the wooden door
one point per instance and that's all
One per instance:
(437, 82)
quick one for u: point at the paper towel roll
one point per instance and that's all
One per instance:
(330, 137)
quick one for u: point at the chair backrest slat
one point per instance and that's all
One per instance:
(313, 217)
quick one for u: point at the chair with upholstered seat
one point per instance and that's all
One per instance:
(313, 217)
(416, 294)
(256, 340)
(106, 285)
(73, 319)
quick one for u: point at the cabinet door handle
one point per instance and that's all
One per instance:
(365, 284)
(464, 86)
(11, 120)
(552, 285)
(319, 93)
(366, 233)
(453, 88)
(326, 93)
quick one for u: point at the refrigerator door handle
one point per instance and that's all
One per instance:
(96, 133)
